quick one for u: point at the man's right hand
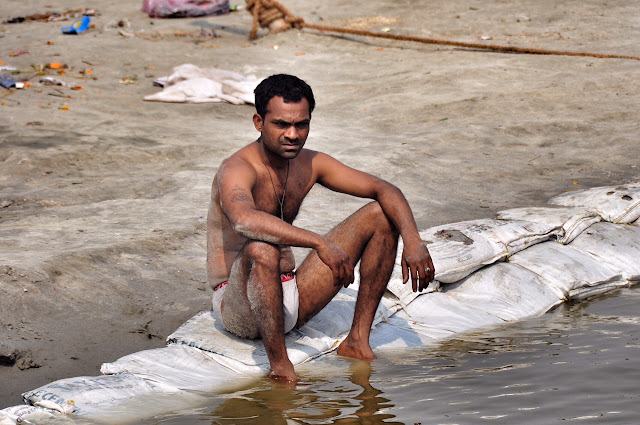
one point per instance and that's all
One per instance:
(338, 261)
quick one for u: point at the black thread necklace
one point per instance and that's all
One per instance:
(275, 192)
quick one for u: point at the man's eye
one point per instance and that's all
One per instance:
(302, 126)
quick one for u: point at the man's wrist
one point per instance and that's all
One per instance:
(319, 242)
(412, 239)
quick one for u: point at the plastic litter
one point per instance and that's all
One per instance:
(52, 81)
(8, 81)
(78, 27)
(184, 8)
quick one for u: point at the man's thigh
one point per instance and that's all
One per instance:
(315, 280)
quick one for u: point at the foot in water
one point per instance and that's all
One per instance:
(361, 351)
(286, 376)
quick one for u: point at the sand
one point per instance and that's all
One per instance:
(103, 196)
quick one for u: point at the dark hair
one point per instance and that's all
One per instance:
(289, 87)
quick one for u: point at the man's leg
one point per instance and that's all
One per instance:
(252, 303)
(370, 237)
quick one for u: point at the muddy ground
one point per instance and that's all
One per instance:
(103, 196)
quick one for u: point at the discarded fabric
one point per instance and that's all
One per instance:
(184, 8)
(191, 84)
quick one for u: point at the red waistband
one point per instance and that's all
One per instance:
(284, 277)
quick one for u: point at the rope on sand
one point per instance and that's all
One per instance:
(273, 15)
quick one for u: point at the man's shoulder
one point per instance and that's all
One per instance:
(236, 166)
(245, 157)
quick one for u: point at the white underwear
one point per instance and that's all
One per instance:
(289, 298)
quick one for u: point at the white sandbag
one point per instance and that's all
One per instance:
(429, 318)
(178, 367)
(504, 290)
(569, 272)
(459, 249)
(319, 336)
(24, 415)
(566, 222)
(404, 291)
(616, 204)
(615, 245)
(86, 395)
(396, 333)
(517, 235)
(444, 314)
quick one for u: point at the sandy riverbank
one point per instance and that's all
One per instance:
(103, 195)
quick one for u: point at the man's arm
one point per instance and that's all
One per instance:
(236, 179)
(416, 261)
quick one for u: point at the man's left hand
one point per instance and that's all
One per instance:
(417, 263)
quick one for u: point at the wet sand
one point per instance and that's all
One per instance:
(103, 195)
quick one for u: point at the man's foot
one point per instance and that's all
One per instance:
(361, 351)
(285, 374)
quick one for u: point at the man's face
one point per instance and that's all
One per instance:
(285, 127)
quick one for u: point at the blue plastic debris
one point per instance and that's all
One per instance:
(80, 26)
(7, 81)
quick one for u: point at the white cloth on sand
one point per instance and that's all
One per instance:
(191, 84)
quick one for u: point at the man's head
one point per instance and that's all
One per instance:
(289, 87)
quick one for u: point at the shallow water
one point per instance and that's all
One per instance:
(578, 364)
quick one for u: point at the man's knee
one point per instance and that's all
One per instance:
(262, 254)
(375, 214)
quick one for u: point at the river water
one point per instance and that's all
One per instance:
(577, 364)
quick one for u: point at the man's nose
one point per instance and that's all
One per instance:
(291, 133)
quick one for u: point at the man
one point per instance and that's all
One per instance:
(255, 197)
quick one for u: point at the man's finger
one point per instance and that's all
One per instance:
(422, 275)
(348, 276)
(414, 279)
(337, 279)
(405, 270)
(432, 271)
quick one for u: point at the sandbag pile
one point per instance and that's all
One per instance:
(521, 263)
(191, 84)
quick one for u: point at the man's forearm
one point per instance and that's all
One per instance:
(265, 227)
(396, 207)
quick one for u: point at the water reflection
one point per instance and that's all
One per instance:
(314, 401)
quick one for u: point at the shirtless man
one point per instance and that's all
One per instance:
(255, 198)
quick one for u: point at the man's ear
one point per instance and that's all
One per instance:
(257, 122)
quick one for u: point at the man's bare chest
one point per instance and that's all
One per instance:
(276, 199)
